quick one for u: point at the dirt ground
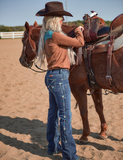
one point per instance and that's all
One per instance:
(24, 108)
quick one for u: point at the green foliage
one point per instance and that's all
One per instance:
(81, 23)
(11, 29)
(18, 28)
(5, 29)
(77, 23)
(108, 23)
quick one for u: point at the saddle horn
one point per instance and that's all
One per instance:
(93, 13)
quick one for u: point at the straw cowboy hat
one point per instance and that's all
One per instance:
(53, 9)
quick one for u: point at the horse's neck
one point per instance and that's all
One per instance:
(65, 28)
(69, 30)
(36, 31)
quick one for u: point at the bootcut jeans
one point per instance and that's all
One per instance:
(60, 107)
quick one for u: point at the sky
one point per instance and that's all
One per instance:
(17, 12)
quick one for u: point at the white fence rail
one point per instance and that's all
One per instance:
(13, 35)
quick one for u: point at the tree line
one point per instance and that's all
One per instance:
(22, 28)
(11, 29)
(78, 23)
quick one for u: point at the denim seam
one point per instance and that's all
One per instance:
(54, 140)
(63, 98)
(50, 84)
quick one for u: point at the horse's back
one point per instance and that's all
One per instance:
(118, 21)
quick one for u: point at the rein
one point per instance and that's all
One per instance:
(41, 70)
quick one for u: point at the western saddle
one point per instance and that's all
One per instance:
(95, 32)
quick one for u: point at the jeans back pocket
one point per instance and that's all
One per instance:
(51, 83)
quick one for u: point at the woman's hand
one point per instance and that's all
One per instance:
(81, 28)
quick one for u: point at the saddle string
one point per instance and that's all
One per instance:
(109, 92)
(106, 93)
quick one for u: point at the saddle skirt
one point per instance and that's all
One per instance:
(102, 46)
(117, 44)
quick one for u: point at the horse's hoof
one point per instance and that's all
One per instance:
(83, 140)
(103, 137)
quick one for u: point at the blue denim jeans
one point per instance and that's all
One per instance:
(60, 107)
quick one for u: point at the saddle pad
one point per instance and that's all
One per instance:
(117, 44)
(103, 31)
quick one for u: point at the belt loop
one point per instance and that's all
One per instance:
(60, 71)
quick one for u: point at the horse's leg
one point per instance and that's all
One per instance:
(80, 95)
(97, 98)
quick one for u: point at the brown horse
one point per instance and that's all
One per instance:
(78, 76)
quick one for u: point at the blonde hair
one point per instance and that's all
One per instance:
(49, 23)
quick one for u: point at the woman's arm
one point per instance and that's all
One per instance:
(63, 40)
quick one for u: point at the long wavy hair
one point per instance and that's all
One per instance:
(49, 23)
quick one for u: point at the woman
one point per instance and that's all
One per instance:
(56, 46)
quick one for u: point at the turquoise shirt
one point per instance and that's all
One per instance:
(48, 35)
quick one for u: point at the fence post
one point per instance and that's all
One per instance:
(1, 35)
(13, 35)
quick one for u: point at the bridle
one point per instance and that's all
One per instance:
(25, 42)
(29, 65)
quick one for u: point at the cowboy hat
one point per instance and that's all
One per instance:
(53, 9)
